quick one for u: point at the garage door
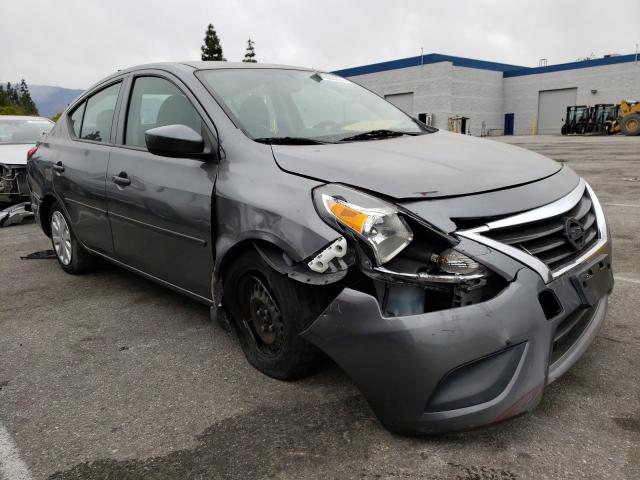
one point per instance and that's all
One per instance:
(552, 108)
(404, 101)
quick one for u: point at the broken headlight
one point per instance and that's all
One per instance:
(374, 221)
(456, 263)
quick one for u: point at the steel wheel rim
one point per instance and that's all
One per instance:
(61, 237)
(262, 317)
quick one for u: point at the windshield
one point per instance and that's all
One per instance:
(19, 130)
(294, 104)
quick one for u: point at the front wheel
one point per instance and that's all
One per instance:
(268, 311)
(630, 124)
(71, 256)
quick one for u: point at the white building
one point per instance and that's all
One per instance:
(506, 98)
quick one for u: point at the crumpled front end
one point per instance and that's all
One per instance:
(460, 368)
(433, 356)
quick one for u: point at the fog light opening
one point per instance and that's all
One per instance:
(550, 304)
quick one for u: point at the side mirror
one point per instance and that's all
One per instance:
(174, 141)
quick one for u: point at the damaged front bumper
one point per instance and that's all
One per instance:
(463, 367)
(15, 214)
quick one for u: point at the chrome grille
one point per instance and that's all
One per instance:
(547, 240)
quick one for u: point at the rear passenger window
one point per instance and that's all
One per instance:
(76, 119)
(156, 102)
(98, 115)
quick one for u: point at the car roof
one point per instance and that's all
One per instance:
(197, 65)
(223, 65)
(190, 66)
(23, 117)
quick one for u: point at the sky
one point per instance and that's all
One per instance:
(74, 43)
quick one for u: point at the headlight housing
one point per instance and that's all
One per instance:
(456, 263)
(371, 219)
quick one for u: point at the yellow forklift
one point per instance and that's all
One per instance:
(627, 119)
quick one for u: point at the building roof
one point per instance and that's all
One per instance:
(507, 69)
(426, 60)
(596, 62)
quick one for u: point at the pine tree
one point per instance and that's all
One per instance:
(24, 99)
(250, 56)
(211, 49)
(12, 94)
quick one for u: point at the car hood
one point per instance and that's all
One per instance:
(439, 164)
(14, 154)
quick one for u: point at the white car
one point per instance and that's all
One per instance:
(18, 135)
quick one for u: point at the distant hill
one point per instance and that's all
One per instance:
(51, 100)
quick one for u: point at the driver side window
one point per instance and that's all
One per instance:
(156, 102)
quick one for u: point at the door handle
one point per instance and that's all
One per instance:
(58, 167)
(121, 179)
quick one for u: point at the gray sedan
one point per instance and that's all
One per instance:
(451, 277)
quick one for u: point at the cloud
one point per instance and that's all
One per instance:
(73, 43)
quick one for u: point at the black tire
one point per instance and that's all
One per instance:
(563, 130)
(81, 261)
(257, 297)
(630, 125)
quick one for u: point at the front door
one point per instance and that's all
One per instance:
(160, 207)
(80, 167)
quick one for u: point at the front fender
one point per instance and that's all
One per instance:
(254, 200)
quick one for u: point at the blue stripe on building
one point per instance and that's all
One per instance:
(596, 62)
(426, 60)
(507, 69)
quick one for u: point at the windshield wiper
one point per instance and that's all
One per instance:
(289, 141)
(382, 133)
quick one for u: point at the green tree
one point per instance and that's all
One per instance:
(4, 98)
(250, 55)
(211, 48)
(56, 117)
(16, 100)
(12, 94)
(24, 99)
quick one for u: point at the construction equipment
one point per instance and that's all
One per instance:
(629, 118)
(604, 115)
(578, 120)
(603, 118)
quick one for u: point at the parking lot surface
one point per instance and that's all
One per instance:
(109, 376)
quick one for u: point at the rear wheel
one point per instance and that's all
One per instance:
(630, 125)
(71, 256)
(268, 311)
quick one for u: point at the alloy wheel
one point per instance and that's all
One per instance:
(61, 236)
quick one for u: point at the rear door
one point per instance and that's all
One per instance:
(160, 207)
(80, 166)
